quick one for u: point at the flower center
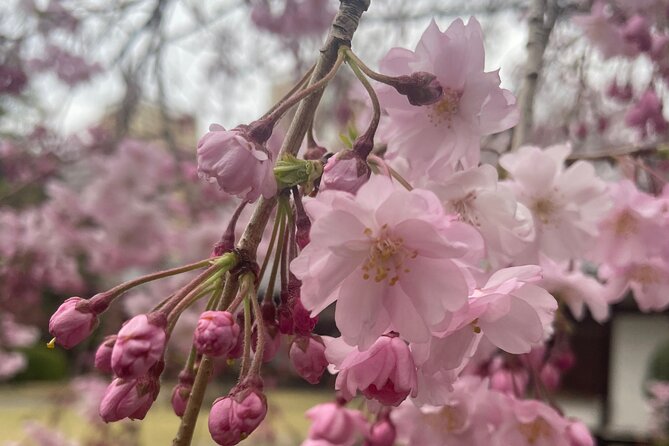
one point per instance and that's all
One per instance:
(644, 274)
(386, 257)
(544, 209)
(449, 419)
(535, 430)
(626, 224)
(444, 110)
(463, 207)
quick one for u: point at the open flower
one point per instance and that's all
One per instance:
(472, 104)
(566, 204)
(381, 254)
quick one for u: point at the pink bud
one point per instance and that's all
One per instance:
(236, 416)
(241, 166)
(385, 372)
(272, 341)
(335, 424)
(637, 31)
(565, 360)
(308, 357)
(550, 376)
(216, 333)
(303, 322)
(345, 171)
(139, 345)
(420, 88)
(382, 433)
(129, 398)
(579, 435)
(506, 381)
(72, 322)
(104, 353)
(315, 153)
(181, 393)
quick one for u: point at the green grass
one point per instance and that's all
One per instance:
(36, 402)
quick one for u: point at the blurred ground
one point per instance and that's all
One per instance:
(20, 404)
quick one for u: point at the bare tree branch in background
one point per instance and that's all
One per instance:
(542, 17)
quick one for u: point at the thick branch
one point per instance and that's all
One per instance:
(341, 33)
(542, 16)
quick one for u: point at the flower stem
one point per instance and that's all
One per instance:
(260, 344)
(298, 86)
(122, 288)
(311, 89)
(277, 222)
(353, 62)
(247, 336)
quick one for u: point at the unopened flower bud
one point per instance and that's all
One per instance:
(420, 88)
(272, 341)
(550, 376)
(315, 153)
(234, 417)
(73, 322)
(381, 433)
(346, 171)
(335, 424)
(308, 357)
(216, 333)
(129, 398)
(240, 165)
(104, 353)
(140, 344)
(181, 393)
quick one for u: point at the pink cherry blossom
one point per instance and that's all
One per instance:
(139, 345)
(103, 354)
(236, 416)
(72, 322)
(308, 357)
(240, 166)
(381, 433)
(647, 278)
(566, 204)
(647, 114)
(472, 104)
(385, 372)
(129, 398)
(475, 195)
(531, 423)
(393, 246)
(345, 171)
(216, 333)
(603, 32)
(462, 419)
(629, 230)
(335, 425)
(575, 288)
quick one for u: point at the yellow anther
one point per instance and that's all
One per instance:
(51, 343)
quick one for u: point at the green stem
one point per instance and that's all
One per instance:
(122, 288)
(260, 344)
(354, 62)
(272, 240)
(311, 89)
(247, 336)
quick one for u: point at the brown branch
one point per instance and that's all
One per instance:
(341, 33)
(542, 17)
(343, 27)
